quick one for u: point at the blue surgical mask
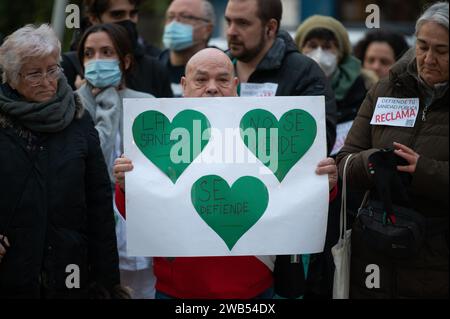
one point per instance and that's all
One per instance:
(103, 73)
(178, 36)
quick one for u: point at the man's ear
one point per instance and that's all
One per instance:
(235, 84)
(209, 31)
(183, 84)
(272, 27)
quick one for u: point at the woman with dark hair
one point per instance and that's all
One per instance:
(148, 75)
(379, 50)
(107, 56)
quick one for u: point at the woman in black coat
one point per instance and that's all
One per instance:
(57, 237)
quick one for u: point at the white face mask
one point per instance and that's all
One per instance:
(326, 59)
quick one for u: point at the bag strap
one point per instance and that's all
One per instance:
(364, 201)
(343, 216)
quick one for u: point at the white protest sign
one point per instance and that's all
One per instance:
(177, 89)
(342, 130)
(225, 176)
(258, 89)
(395, 112)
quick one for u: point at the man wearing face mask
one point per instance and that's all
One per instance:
(189, 26)
(147, 75)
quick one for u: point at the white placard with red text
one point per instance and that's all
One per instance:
(396, 112)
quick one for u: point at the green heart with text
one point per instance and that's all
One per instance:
(230, 212)
(279, 145)
(172, 147)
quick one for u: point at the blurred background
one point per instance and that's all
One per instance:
(396, 15)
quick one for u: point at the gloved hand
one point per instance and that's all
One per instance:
(389, 182)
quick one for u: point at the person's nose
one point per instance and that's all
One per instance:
(429, 57)
(212, 89)
(376, 66)
(46, 81)
(231, 30)
(132, 17)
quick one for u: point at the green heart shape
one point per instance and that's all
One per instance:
(297, 130)
(230, 212)
(152, 131)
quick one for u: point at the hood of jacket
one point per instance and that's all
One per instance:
(283, 45)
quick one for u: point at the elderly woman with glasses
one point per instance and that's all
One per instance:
(407, 113)
(57, 237)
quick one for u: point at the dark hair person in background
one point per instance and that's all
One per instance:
(379, 50)
(56, 199)
(148, 74)
(124, 12)
(107, 56)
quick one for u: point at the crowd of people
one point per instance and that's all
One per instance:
(62, 145)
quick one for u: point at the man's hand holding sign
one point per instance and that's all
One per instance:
(195, 147)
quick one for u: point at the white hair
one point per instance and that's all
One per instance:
(25, 43)
(208, 10)
(437, 13)
(209, 14)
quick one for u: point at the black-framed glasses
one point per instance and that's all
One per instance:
(36, 78)
(185, 18)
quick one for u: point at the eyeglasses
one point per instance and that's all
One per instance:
(36, 78)
(185, 18)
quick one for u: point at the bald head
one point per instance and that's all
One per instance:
(209, 72)
(207, 56)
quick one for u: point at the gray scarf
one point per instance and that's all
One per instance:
(48, 117)
(106, 111)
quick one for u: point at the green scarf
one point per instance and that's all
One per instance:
(47, 117)
(345, 76)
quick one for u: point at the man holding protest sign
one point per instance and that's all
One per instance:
(210, 74)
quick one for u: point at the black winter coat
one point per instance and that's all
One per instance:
(56, 210)
(348, 107)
